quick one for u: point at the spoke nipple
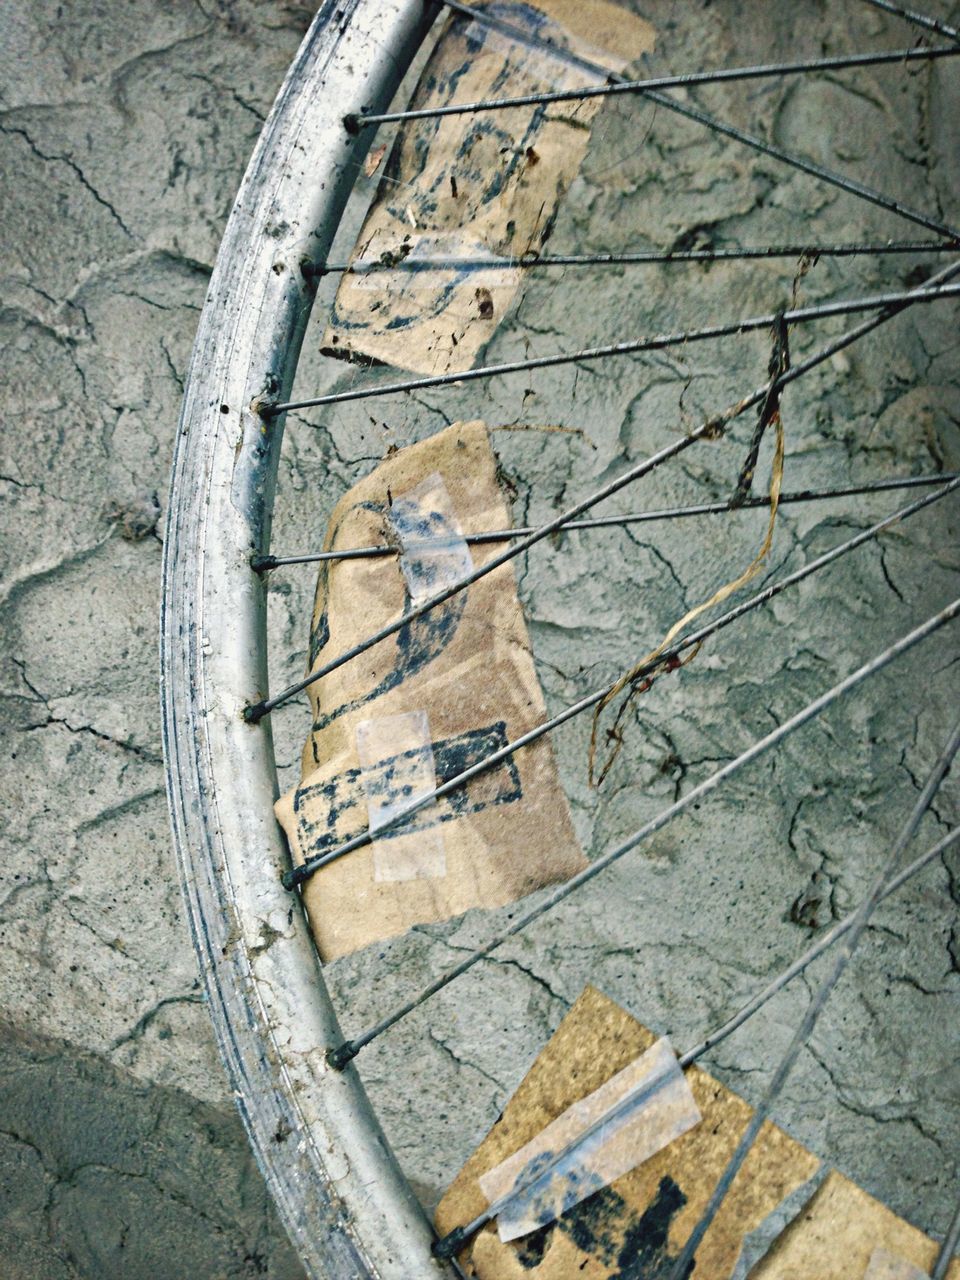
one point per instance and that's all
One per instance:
(289, 879)
(451, 1244)
(312, 271)
(351, 123)
(263, 406)
(262, 564)
(341, 1055)
(253, 712)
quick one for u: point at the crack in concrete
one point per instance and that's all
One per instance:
(140, 1027)
(463, 1062)
(75, 170)
(140, 752)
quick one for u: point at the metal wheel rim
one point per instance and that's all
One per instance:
(312, 1129)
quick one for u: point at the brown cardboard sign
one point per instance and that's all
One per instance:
(421, 706)
(481, 185)
(844, 1234)
(639, 1223)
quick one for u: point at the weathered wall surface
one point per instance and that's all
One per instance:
(125, 131)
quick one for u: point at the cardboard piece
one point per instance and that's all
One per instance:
(638, 1224)
(466, 667)
(631, 1117)
(836, 1235)
(474, 185)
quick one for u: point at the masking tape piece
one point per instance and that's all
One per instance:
(492, 180)
(884, 1265)
(433, 552)
(396, 769)
(631, 1117)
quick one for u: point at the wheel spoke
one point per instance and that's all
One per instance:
(342, 1054)
(850, 185)
(687, 80)
(710, 429)
(300, 874)
(262, 564)
(452, 1243)
(918, 19)
(644, 257)
(659, 342)
(745, 1012)
(802, 1035)
(949, 1247)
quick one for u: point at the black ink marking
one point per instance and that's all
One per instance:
(418, 643)
(490, 158)
(320, 632)
(606, 1229)
(432, 550)
(341, 815)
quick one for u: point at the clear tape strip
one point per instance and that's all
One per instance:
(756, 1244)
(433, 551)
(534, 63)
(884, 1265)
(631, 1117)
(396, 769)
(431, 263)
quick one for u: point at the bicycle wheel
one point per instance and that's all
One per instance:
(340, 1191)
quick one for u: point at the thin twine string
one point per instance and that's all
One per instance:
(769, 416)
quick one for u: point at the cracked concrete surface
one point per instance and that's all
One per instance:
(120, 1154)
(112, 1176)
(124, 135)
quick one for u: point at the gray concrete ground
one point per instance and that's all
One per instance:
(125, 132)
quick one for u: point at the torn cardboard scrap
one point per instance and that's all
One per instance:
(472, 186)
(420, 707)
(837, 1235)
(638, 1224)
